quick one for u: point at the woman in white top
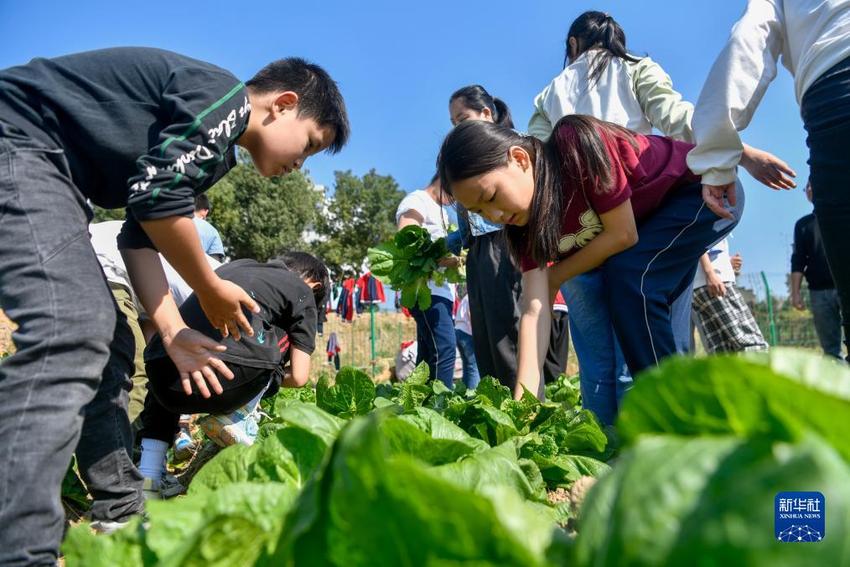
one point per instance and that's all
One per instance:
(813, 38)
(604, 80)
(435, 331)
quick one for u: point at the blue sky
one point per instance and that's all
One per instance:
(397, 63)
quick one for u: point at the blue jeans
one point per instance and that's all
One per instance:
(826, 311)
(471, 377)
(435, 339)
(604, 376)
(66, 386)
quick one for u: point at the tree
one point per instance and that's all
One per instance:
(259, 217)
(103, 215)
(361, 214)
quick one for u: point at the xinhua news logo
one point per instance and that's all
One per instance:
(799, 517)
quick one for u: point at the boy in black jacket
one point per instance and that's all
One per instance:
(287, 289)
(147, 129)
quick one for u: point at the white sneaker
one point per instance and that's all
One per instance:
(225, 430)
(106, 527)
(184, 447)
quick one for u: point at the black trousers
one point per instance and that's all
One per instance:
(494, 285)
(826, 116)
(559, 347)
(166, 400)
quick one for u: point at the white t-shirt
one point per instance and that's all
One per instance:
(436, 220)
(104, 237)
(462, 319)
(720, 262)
(104, 240)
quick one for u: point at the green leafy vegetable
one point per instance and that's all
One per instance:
(409, 261)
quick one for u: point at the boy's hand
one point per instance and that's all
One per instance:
(194, 356)
(222, 304)
(716, 287)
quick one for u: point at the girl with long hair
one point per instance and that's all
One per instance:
(602, 78)
(492, 277)
(594, 195)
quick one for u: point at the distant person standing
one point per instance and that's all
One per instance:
(210, 238)
(809, 260)
(725, 321)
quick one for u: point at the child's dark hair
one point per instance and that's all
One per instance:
(476, 97)
(597, 30)
(309, 267)
(202, 203)
(318, 93)
(575, 154)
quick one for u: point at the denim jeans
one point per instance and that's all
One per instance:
(58, 383)
(604, 376)
(826, 311)
(825, 109)
(435, 339)
(471, 377)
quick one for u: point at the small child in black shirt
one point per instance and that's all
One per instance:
(287, 289)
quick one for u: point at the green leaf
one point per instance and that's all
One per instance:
(231, 465)
(375, 510)
(733, 395)
(423, 296)
(312, 419)
(292, 453)
(490, 389)
(415, 390)
(409, 294)
(671, 499)
(497, 466)
(83, 548)
(577, 432)
(382, 259)
(235, 525)
(352, 393)
(404, 437)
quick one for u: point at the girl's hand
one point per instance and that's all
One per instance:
(222, 304)
(194, 356)
(737, 264)
(767, 168)
(713, 197)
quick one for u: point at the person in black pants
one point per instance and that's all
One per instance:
(813, 38)
(809, 261)
(287, 288)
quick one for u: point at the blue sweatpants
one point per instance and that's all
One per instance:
(645, 280)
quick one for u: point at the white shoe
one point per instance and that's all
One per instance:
(225, 430)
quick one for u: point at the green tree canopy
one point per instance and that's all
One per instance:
(258, 217)
(360, 215)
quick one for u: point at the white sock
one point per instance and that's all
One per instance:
(152, 462)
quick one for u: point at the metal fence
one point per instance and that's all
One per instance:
(780, 322)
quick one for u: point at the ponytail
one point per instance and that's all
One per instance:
(476, 97)
(476, 147)
(574, 160)
(596, 30)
